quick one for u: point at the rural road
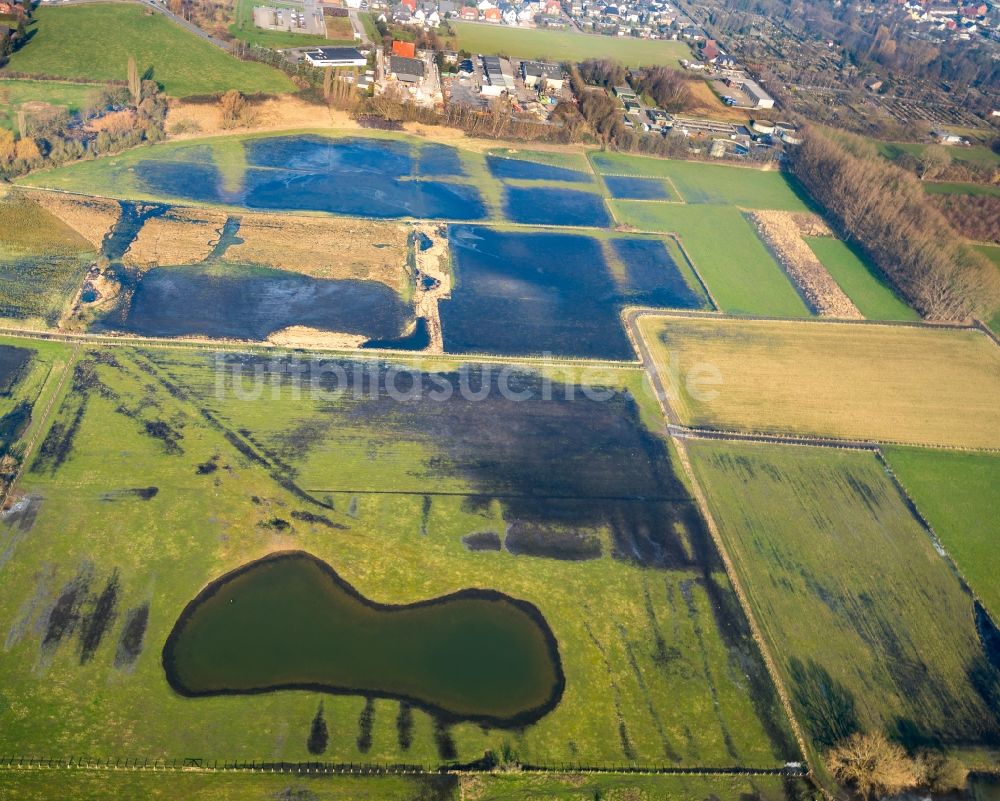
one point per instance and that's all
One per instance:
(359, 30)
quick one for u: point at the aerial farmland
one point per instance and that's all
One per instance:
(342, 463)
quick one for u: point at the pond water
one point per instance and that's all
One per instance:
(440, 160)
(532, 293)
(288, 621)
(363, 177)
(502, 167)
(13, 364)
(418, 339)
(528, 294)
(544, 205)
(240, 302)
(626, 188)
(652, 275)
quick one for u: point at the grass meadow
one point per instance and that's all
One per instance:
(956, 493)
(904, 385)
(740, 273)
(698, 182)
(14, 93)
(566, 45)
(870, 626)
(94, 41)
(868, 290)
(42, 262)
(950, 188)
(233, 476)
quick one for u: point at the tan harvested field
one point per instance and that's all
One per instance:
(181, 236)
(90, 217)
(276, 113)
(782, 233)
(325, 247)
(918, 385)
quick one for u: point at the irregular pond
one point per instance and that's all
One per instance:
(362, 177)
(627, 188)
(254, 302)
(545, 205)
(288, 621)
(503, 167)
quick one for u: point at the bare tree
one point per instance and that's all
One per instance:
(872, 765)
(134, 84)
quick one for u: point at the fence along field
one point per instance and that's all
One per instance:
(196, 484)
(902, 384)
(957, 494)
(871, 627)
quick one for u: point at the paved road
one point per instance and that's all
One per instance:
(359, 30)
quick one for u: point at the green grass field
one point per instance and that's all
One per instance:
(42, 262)
(977, 154)
(992, 252)
(555, 158)
(626, 698)
(698, 182)
(70, 96)
(956, 493)
(945, 188)
(870, 626)
(566, 46)
(867, 289)
(94, 41)
(904, 385)
(740, 273)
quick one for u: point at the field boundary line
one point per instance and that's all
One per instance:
(372, 354)
(23, 764)
(695, 270)
(702, 502)
(925, 524)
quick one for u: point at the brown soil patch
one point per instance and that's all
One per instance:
(91, 217)
(335, 247)
(708, 104)
(783, 234)
(181, 236)
(279, 113)
(300, 336)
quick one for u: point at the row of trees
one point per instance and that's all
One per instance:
(884, 210)
(123, 117)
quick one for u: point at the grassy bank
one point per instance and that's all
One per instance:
(94, 41)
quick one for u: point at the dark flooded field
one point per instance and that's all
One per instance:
(13, 364)
(545, 205)
(363, 177)
(288, 621)
(626, 188)
(555, 457)
(535, 293)
(502, 167)
(239, 302)
(653, 276)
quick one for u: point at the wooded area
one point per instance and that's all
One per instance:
(883, 209)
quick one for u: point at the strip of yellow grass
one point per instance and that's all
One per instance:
(181, 236)
(891, 384)
(335, 247)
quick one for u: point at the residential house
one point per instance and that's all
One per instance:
(406, 70)
(469, 13)
(404, 49)
(493, 15)
(534, 72)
